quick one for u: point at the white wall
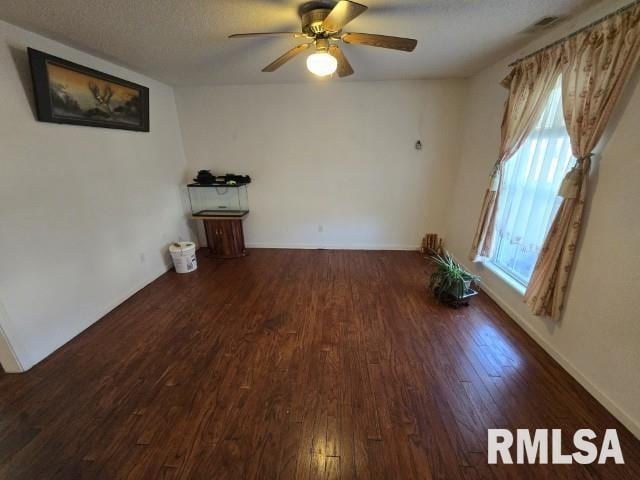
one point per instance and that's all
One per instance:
(331, 154)
(79, 207)
(598, 340)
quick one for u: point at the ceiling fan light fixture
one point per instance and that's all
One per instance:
(322, 64)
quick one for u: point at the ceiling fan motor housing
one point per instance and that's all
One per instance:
(312, 22)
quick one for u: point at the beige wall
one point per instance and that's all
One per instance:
(330, 156)
(598, 340)
(85, 213)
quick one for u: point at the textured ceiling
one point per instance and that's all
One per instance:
(184, 42)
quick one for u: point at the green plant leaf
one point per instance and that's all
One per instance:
(449, 277)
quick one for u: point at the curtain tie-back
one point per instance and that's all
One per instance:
(582, 158)
(570, 186)
(495, 178)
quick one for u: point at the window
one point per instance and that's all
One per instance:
(529, 196)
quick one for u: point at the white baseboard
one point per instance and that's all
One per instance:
(335, 246)
(10, 360)
(608, 403)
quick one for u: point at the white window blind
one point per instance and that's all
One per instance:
(529, 192)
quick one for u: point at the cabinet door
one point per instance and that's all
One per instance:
(219, 241)
(225, 237)
(211, 229)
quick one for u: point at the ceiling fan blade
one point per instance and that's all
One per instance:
(341, 14)
(383, 41)
(266, 34)
(273, 66)
(344, 67)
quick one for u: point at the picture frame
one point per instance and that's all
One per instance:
(66, 92)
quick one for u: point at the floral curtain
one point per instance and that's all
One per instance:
(596, 65)
(529, 191)
(529, 84)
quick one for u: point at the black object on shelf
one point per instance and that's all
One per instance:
(240, 179)
(217, 185)
(205, 177)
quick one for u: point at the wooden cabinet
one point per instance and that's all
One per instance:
(225, 236)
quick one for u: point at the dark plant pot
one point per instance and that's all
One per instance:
(453, 299)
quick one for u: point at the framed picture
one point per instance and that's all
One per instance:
(66, 92)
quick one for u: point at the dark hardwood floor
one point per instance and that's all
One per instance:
(293, 364)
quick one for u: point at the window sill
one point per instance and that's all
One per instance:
(505, 277)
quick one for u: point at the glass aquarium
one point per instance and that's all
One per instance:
(218, 200)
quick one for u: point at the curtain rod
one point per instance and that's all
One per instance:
(591, 25)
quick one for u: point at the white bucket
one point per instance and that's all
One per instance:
(183, 255)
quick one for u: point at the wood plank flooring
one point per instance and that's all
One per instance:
(293, 365)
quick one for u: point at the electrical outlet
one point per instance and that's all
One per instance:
(320, 228)
(142, 258)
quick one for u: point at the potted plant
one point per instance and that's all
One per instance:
(450, 282)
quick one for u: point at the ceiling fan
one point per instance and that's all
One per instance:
(322, 24)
